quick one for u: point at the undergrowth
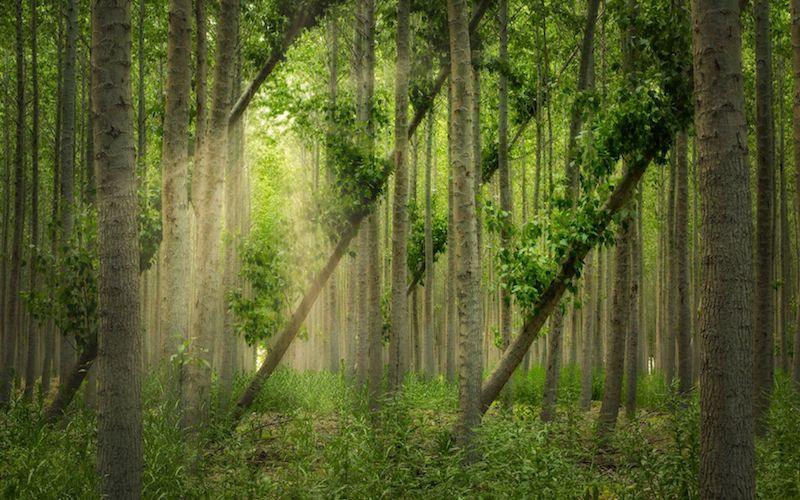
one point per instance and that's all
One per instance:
(311, 436)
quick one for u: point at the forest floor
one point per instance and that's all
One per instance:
(310, 436)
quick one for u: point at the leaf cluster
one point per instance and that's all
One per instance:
(416, 246)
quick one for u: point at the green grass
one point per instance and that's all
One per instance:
(310, 436)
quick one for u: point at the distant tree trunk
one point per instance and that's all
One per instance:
(727, 448)
(207, 194)
(333, 66)
(634, 327)
(399, 344)
(4, 330)
(12, 321)
(430, 330)
(796, 144)
(681, 272)
(465, 229)
(141, 115)
(506, 198)
(588, 333)
(620, 317)
(234, 171)
(573, 188)
(50, 361)
(175, 247)
(786, 288)
(763, 363)
(33, 331)
(671, 292)
(201, 74)
(67, 157)
(452, 322)
(119, 427)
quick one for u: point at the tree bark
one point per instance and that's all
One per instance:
(796, 144)
(12, 323)
(620, 324)
(727, 454)
(119, 426)
(34, 330)
(399, 341)
(207, 195)
(333, 66)
(467, 281)
(175, 247)
(763, 361)
(681, 272)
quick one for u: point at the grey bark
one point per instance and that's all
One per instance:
(681, 272)
(119, 423)
(727, 454)
(763, 359)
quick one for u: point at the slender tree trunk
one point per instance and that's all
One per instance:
(588, 332)
(506, 198)
(399, 344)
(681, 272)
(12, 313)
(4, 330)
(620, 324)
(141, 114)
(207, 194)
(201, 74)
(33, 331)
(763, 362)
(175, 248)
(467, 281)
(727, 454)
(671, 277)
(119, 428)
(332, 311)
(634, 327)
(786, 289)
(68, 352)
(430, 271)
(796, 144)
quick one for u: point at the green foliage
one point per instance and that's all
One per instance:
(260, 308)
(69, 291)
(778, 456)
(416, 242)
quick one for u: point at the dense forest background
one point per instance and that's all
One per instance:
(317, 248)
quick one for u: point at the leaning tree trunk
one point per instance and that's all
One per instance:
(175, 248)
(763, 359)
(727, 454)
(119, 422)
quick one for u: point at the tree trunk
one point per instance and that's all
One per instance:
(786, 287)
(588, 332)
(12, 321)
(175, 247)
(620, 318)
(333, 66)
(430, 330)
(399, 342)
(506, 198)
(467, 281)
(681, 271)
(634, 327)
(119, 423)
(207, 194)
(727, 454)
(763, 363)
(796, 144)
(33, 331)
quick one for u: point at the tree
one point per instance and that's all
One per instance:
(465, 230)
(503, 168)
(399, 340)
(681, 271)
(207, 197)
(727, 454)
(174, 272)
(67, 160)
(11, 315)
(763, 363)
(119, 428)
(796, 144)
